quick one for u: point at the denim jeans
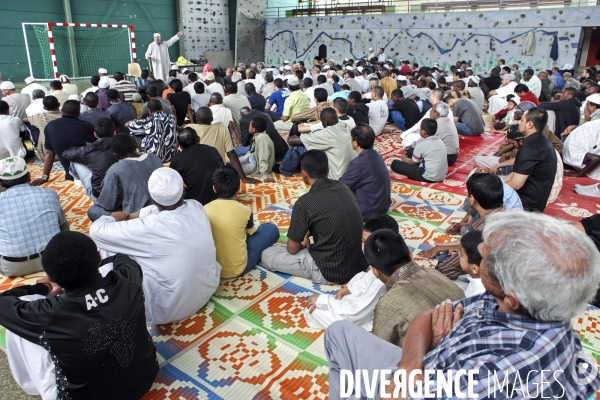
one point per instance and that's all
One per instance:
(265, 236)
(291, 161)
(84, 174)
(241, 150)
(463, 129)
(274, 115)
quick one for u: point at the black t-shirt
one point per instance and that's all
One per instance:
(493, 82)
(64, 133)
(537, 159)
(331, 214)
(410, 111)
(180, 101)
(96, 336)
(196, 165)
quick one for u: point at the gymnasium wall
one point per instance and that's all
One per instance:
(425, 38)
(147, 16)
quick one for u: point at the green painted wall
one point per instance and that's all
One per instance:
(159, 15)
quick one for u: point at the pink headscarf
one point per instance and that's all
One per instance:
(207, 68)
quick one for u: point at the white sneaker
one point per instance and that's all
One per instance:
(78, 183)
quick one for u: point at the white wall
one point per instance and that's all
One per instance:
(425, 38)
(206, 26)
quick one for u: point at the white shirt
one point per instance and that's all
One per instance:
(584, 139)
(411, 135)
(221, 114)
(475, 287)
(357, 307)
(176, 252)
(28, 90)
(258, 83)
(319, 125)
(17, 103)
(378, 115)
(506, 90)
(70, 88)
(190, 88)
(215, 88)
(92, 89)
(36, 107)
(10, 139)
(381, 57)
(534, 84)
(310, 92)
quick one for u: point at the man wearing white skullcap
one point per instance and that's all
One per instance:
(103, 74)
(158, 55)
(32, 84)
(26, 230)
(371, 54)
(173, 243)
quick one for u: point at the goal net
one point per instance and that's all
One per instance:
(78, 50)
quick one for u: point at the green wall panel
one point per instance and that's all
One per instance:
(159, 15)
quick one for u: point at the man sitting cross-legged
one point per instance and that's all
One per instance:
(333, 139)
(30, 217)
(367, 175)
(76, 334)
(125, 184)
(90, 163)
(328, 213)
(523, 318)
(173, 243)
(238, 244)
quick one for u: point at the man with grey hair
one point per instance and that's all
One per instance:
(158, 55)
(515, 71)
(36, 106)
(537, 278)
(570, 81)
(446, 130)
(497, 98)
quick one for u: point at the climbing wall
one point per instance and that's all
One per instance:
(206, 26)
(250, 31)
(479, 37)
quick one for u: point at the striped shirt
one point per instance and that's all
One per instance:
(127, 88)
(333, 218)
(512, 346)
(30, 217)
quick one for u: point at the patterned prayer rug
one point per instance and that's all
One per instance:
(251, 341)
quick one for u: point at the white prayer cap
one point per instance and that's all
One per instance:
(286, 61)
(509, 77)
(287, 68)
(73, 97)
(326, 67)
(174, 67)
(293, 81)
(165, 186)
(104, 83)
(370, 49)
(281, 69)
(594, 98)
(64, 78)
(386, 66)
(102, 71)
(401, 78)
(474, 79)
(157, 34)
(12, 168)
(7, 85)
(236, 77)
(29, 79)
(469, 68)
(184, 70)
(346, 60)
(436, 64)
(359, 69)
(349, 68)
(331, 59)
(515, 99)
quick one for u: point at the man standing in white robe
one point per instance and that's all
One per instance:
(158, 53)
(173, 243)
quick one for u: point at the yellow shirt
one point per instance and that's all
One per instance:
(215, 135)
(230, 222)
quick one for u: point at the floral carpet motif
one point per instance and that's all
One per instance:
(251, 341)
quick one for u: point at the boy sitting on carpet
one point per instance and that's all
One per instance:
(470, 260)
(355, 302)
(429, 161)
(232, 224)
(261, 157)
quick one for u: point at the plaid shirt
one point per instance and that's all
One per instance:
(508, 344)
(30, 217)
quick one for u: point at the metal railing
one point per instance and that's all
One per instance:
(275, 9)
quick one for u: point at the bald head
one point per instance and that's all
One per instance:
(204, 115)
(245, 111)
(216, 98)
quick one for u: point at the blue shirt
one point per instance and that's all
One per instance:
(30, 216)
(278, 98)
(342, 93)
(336, 87)
(505, 345)
(559, 82)
(369, 180)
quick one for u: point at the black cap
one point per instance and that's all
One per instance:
(514, 133)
